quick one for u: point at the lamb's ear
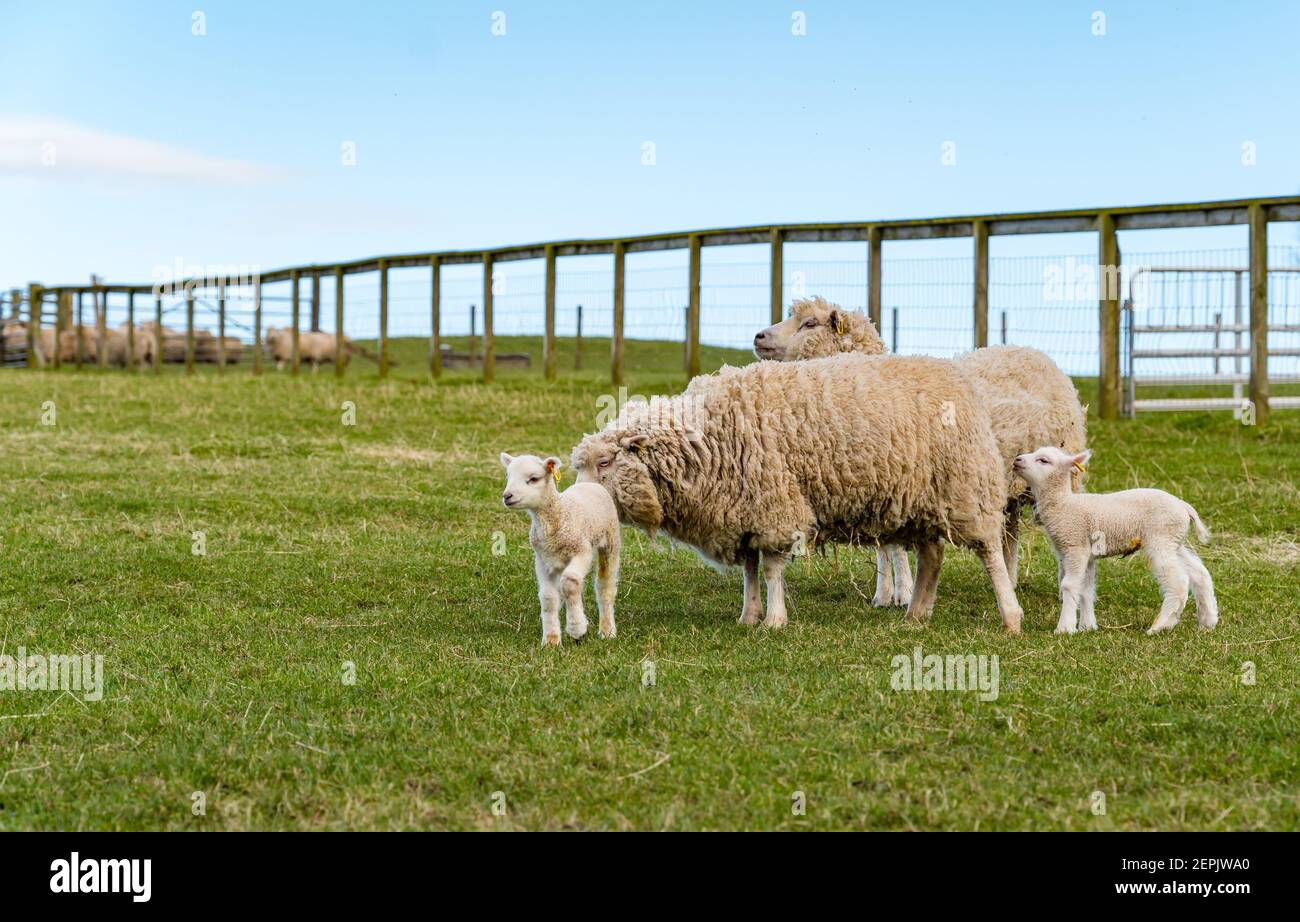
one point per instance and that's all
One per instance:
(506, 459)
(553, 464)
(635, 443)
(1081, 459)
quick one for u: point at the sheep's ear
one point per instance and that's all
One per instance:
(506, 459)
(837, 323)
(635, 443)
(1081, 459)
(553, 464)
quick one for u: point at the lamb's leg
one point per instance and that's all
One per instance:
(1074, 570)
(575, 620)
(902, 568)
(1088, 616)
(1011, 542)
(607, 589)
(1207, 607)
(884, 579)
(774, 576)
(752, 612)
(929, 558)
(548, 591)
(1168, 569)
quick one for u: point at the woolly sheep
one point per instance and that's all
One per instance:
(569, 531)
(1030, 400)
(756, 461)
(1085, 526)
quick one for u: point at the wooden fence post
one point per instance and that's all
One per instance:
(101, 327)
(548, 340)
(315, 301)
(297, 320)
(189, 329)
(79, 340)
(34, 298)
(158, 331)
(489, 334)
(383, 318)
(257, 325)
(435, 317)
(980, 231)
(616, 339)
(340, 359)
(130, 332)
(1258, 221)
(63, 312)
(1108, 382)
(875, 268)
(693, 309)
(777, 307)
(221, 326)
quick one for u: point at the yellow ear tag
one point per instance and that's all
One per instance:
(840, 328)
(555, 472)
(1080, 468)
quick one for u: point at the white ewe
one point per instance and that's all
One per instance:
(569, 530)
(1085, 526)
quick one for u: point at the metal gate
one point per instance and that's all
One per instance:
(1193, 330)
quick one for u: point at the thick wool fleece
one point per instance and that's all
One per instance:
(844, 448)
(1031, 402)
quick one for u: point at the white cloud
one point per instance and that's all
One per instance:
(51, 148)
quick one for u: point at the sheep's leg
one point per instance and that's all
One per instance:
(548, 591)
(1088, 616)
(774, 576)
(929, 558)
(1074, 569)
(902, 568)
(1168, 569)
(990, 551)
(1011, 543)
(1207, 607)
(607, 589)
(884, 578)
(752, 612)
(571, 580)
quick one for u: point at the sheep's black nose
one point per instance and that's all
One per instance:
(760, 336)
(507, 498)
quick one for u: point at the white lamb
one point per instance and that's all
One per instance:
(569, 529)
(1085, 526)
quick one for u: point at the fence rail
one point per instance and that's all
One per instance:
(1255, 213)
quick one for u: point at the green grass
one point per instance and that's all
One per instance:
(373, 545)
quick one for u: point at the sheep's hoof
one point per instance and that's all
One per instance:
(579, 637)
(749, 619)
(882, 601)
(775, 623)
(607, 635)
(551, 640)
(903, 599)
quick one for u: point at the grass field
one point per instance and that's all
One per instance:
(372, 545)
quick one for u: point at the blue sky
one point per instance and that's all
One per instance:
(226, 147)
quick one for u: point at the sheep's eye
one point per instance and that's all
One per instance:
(534, 479)
(1042, 460)
(809, 324)
(604, 462)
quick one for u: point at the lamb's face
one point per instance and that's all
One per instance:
(529, 480)
(1047, 465)
(615, 460)
(808, 333)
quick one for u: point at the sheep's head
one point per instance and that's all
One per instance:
(530, 480)
(1049, 466)
(817, 328)
(616, 459)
